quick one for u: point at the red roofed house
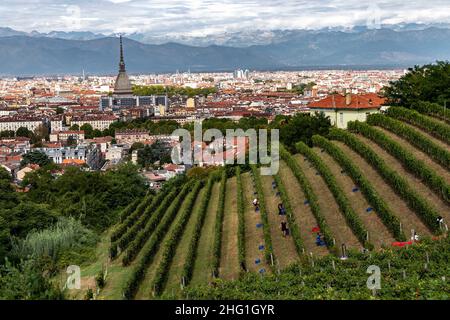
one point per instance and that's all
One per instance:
(351, 107)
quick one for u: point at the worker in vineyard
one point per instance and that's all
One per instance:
(284, 228)
(415, 237)
(440, 221)
(281, 210)
(319, 241)
(255, 202)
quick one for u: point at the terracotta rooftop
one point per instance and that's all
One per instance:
(337, 101)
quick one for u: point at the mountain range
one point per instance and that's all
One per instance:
(70, 52)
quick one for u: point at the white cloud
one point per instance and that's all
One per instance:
(199, 17)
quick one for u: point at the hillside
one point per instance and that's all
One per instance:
(368, 188)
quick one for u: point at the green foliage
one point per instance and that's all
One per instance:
(65, 242)
(241, 218)
(218, 227)
(96, 198)
(301, 127)
(427, 83)
(352, 219)
(432, 109)
(35, 157)
(381, 208)
(414, 165)
(126, 231)
(397, 182)
(88, 131)
(26, 281)
(172, 91)
(295, 232)
(129, 210)
(170, 245)
(437, 129)
(151, 247)
(405, 275)
(139, 239)
(159, 151)
(123, 227)
(268, 252)
(309, 194)
(24, 132)
(193, 246)
(417, 139)
(100, 279)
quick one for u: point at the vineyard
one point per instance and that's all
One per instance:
(365, 191)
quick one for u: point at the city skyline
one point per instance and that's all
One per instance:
(200, 18)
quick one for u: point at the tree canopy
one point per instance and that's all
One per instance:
(430, 83)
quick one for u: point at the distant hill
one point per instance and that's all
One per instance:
(25, 54)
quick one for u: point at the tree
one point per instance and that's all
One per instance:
(301, 127)
(74, 127)
(429, 83)
(35, 157)
(159, 151)
(59, 110)
(88, 130)
(24, 132)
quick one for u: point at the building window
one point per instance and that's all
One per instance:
(341, 118)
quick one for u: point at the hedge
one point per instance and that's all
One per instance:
(437, 129)
(381, 208)
(188, 266)
(295, 232)
(397, 182)
(151, 247)
(417, 139)
(241, 219)
(411, 163)
(269, 255)
(217, 246)
(351, 217)
(432, 109)
(170, 245)
(161, 218)
(310, 196)
(129, 221)
(129, 209)
(149, 214)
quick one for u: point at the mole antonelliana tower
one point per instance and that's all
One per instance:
(123, 84)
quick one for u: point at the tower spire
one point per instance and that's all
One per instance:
(122, 61)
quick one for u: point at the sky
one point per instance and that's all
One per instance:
(205, 17)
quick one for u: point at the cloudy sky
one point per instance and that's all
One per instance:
(201, 17)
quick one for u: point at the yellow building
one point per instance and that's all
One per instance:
(343, 109)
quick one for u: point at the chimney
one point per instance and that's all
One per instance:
(348, 98)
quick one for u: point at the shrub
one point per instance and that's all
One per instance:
(133, 230)
(291, 219)
(437, 129)
(397, 182)
(353, 220)
(217, 246)
(269, 255)
(168, 206)
(372, 196)
(417, 139)
(411, 163)
(151, 247)
(241, 218)
(170, 245)
(310, 196)
(193, 246)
